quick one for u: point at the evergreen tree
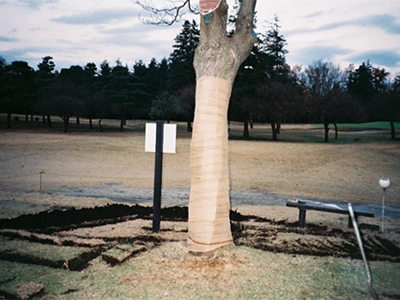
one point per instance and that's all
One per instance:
(274, 46)
(17, 89)
(181, 59)
(366, 83)
(144, 93)
(360, 82)
(44, 77)
(265, 64)
(120, 91)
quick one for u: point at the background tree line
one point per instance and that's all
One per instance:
(266, 89)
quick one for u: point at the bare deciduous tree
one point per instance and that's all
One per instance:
(217, 59)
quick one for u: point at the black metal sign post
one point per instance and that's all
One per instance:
(158, 175)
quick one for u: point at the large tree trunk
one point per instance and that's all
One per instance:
(209, 226)
(216, 63)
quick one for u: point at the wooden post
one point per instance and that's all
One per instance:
(302, 218)
(158, 176)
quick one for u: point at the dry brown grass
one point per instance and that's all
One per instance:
(341, 170)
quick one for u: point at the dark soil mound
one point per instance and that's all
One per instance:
(251, 231)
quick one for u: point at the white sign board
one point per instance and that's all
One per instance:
(169, 139)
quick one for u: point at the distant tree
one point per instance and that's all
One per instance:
(181, 71)
(360, 82)
(120, 91)
(184, 103)
(97, 106)
(162, 107)
(326, 82)
(265, 66)
(273, 45)
(63, 98)
(156, 77)
(341, 107)
(366, 83)
(251, 75)
(47, 65)
(17, 89)
(277, 101)
(105, 69)
(3, 64)
(90, 78)
(380, 79)
(92, 85)
(147, 83)
(396, 84)
(44, 77)
(76, 75)
(73, 73)
(386, 107)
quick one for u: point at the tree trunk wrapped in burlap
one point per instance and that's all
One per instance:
(209, 226)
(217, 59)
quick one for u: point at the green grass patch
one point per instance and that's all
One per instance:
(361, 126)
(39, 251)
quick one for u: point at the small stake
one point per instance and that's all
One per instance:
(41, 172)
(384, 184)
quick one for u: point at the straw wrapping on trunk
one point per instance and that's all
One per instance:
(209, 225)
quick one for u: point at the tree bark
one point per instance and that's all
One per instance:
(49, 121)
(189, 127)
(8, 120)
(216, 62)
(392, 130)
(246, 134)
(101, 127)
(121, 123)
(66, 123)
(326, 130)
(336, 131)
(274, 132)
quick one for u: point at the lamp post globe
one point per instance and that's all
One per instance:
(384, 183)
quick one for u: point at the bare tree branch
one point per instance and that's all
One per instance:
(169, 14)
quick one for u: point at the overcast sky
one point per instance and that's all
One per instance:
(75, 32)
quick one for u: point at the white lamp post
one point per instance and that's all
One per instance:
(384, 184)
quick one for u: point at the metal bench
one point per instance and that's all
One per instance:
(304, 205)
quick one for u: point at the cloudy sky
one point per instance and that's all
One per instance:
(75, 32)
